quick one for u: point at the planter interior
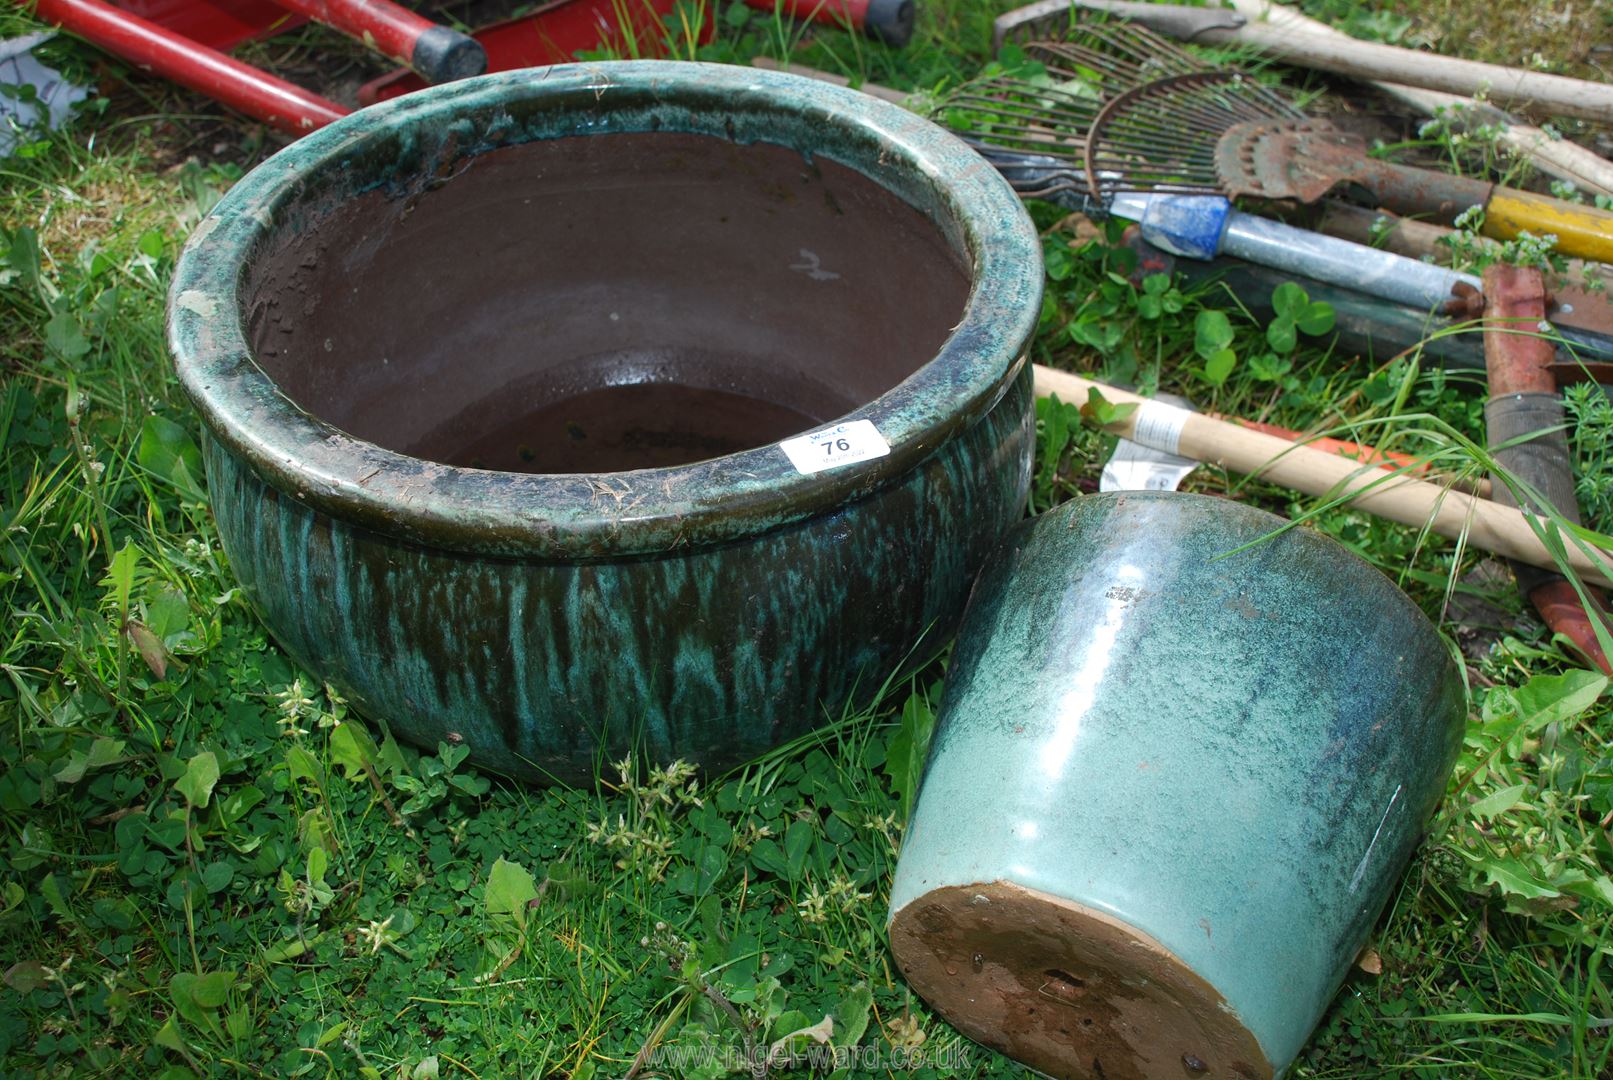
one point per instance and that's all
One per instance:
(604, 303)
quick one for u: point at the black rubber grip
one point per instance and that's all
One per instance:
(890, 21)
(443, 55)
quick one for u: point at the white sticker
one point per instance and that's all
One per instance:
(1135, 467)
(1159, 426)
(843, 444)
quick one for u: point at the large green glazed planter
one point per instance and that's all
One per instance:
(1178, 770)
(367, 322)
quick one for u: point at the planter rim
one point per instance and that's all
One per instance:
(593, 515)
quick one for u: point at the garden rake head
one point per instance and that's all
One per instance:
(1063, 101)
(1163, 135)
(1129, 110)
(1031, 121)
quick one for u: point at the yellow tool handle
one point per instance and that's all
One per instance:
(1583, 232)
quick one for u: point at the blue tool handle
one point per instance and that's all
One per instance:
(1203, 226)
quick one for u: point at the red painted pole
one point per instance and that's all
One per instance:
(436, 52)
(162, 52)
(890, 21)
(1524, 418)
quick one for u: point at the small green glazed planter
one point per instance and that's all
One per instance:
(1179, 768)
(505, 385)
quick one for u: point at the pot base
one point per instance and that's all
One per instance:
(1067, 990)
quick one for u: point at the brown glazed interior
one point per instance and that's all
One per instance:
(604, 303)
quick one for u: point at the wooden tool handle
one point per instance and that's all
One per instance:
(1452, 514)
(1583, 232)
(1507, 86)
(1366, 455)
(1556, 155)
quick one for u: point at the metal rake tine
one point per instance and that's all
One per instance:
(1011, 120)
(1128, 55)
(1137, 127)
(1043, 105)
(1108, 75)
(1074, 64)
(1136, 45)
(1162, 135)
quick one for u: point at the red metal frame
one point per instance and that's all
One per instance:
(156, 49)
(554, 34)
(185, 40)
(438, 53)
(390, 30)
(846, 14)
(216, 24)
(557, 31)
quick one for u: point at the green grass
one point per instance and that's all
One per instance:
(211, 868)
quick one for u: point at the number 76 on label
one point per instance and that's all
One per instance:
(842, 444)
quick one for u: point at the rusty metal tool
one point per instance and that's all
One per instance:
(1037, 133)
(1025, 130)
(1046, 119)
(1307, 159)
(1526, 429)
(1546, 150)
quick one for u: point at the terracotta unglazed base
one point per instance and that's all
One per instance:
(1067, 990)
